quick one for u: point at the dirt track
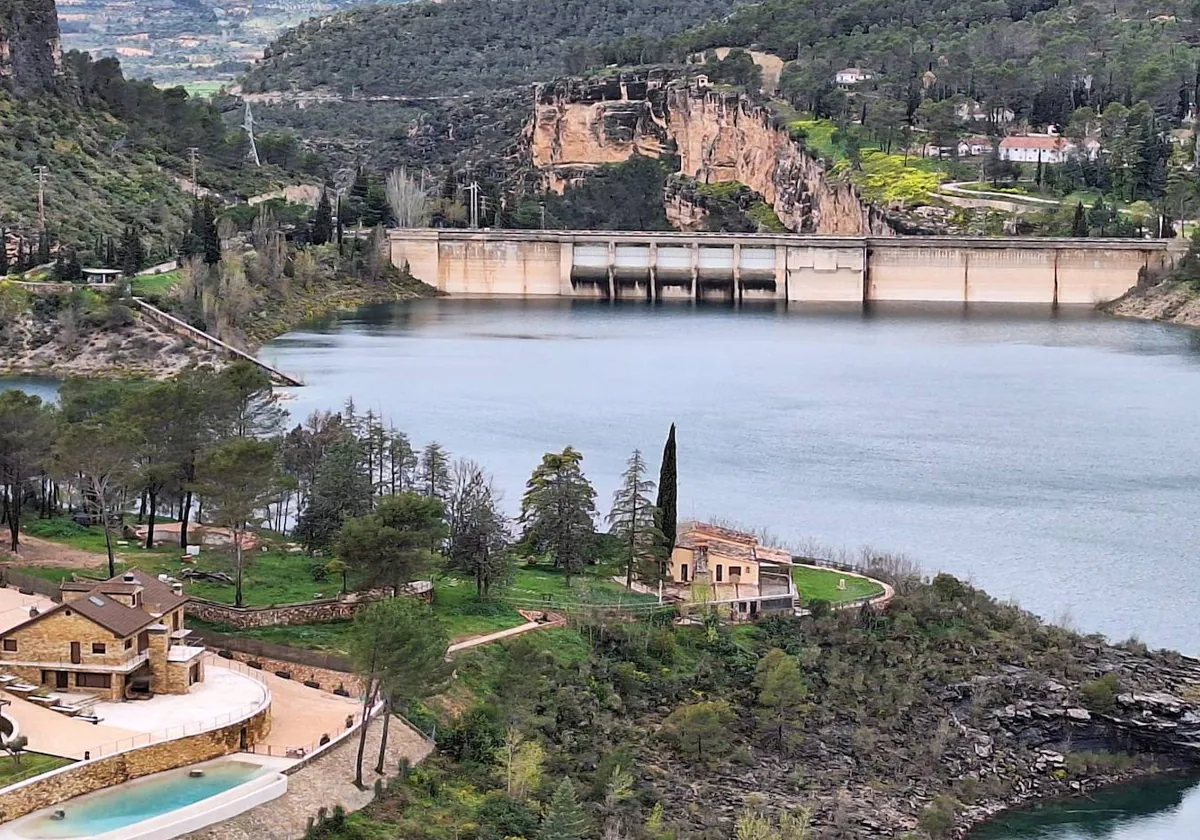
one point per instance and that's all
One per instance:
(36, 552)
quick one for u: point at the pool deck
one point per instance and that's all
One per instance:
(56, 734)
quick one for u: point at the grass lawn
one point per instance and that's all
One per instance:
(822, 585)
(155, 285)
(270, 577)
(32, 764)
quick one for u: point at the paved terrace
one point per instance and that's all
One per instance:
(14, 607)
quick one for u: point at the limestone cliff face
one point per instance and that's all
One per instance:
(717, 136)
(30, 52)
(578, 126)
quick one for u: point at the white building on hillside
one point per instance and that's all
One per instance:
(852, 76)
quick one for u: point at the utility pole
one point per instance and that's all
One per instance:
(248, 124)
(473, 189)
(42, 173)
(193, 152)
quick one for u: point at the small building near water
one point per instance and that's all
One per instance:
(101, 276)
(731, 570)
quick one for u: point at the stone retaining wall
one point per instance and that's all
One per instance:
(324, 678)
(341, 608)
(88, 776)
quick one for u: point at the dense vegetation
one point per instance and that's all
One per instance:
(115, 151)
(462, 46)
(841, 726)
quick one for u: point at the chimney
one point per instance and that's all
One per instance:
(129, 577)
(33, 612)
(177, 588)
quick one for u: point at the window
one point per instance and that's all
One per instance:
(720, 569)
(93, 680)
(128, 644)
(10, 645)
(98, 647)
(683, 570)
(735, 571)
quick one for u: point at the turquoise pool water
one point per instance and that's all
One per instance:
(127, 804)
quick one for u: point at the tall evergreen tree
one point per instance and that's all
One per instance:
(634, 523)
(433, 474)
(557, 511)
(132, 256)
(1079, 225)
(565, 818)
(668, 501)
(212, 242)
(341, 490)
(3, 252)
(322, 223)
(478, 530)
(43, 251)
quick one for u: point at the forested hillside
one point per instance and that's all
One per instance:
(1041, 58)
(464, 46)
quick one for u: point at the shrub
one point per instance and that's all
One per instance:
(501, 816)
(938, 817)
(1101, 695)
(1097, 763)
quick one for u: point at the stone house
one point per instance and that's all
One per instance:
(118, 639)
(730, 569)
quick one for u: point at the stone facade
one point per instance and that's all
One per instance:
(44, 652)
(78, 779)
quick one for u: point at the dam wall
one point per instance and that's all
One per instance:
(777, 267)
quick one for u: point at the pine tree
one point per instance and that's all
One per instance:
(322, 223)
(478, 530)
(557, 511)
(340, 232)
(565, 818)
(668, 502)
(433, 474)
(634, 523)
(1079, 227)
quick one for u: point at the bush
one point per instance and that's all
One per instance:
(1100, 695)
(501, 816)
(318, 572)
(938, 817)
(1097, 763)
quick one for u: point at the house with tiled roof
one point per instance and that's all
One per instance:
(118, 639)
(731, 570)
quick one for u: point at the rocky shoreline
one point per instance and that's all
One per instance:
(1170, 301)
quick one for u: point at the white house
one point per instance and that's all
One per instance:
(974, 146)
(1032, 148)
(852, 76)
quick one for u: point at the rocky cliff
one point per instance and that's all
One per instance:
(717, 136)
(30, 53)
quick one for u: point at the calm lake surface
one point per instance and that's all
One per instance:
(1054, 460)
(1049, 458)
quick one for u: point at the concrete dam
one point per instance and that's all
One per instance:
(654, 266)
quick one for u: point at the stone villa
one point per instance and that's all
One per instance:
(120, 639)
(724, 567)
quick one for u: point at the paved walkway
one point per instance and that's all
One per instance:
(326, 782)
(556, 620)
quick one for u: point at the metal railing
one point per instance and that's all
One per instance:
(184, 730)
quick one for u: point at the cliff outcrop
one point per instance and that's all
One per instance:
(717, 136)
(30, 52)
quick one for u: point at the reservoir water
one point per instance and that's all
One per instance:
(1053, 460)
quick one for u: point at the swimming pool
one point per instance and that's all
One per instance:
(163, 805)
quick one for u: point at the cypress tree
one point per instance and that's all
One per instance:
(212, 242)
(1079, 223)
(43, 251)
(340, 232)
(3, 252)
(668, 502)
(322, 223)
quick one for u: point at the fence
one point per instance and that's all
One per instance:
(268, 650)
(39, 586)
